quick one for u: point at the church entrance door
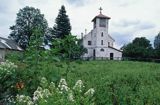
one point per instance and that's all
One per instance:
(111, 56)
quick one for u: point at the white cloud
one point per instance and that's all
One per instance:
(129, 18)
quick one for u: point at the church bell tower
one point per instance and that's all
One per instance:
(101, 21)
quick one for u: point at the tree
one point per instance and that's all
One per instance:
(139, 48)
(157, 41)
(62, 26)
(68, 48)
(28, 19)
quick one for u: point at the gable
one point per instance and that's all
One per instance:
(9, 44)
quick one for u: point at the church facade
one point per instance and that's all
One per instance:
(98, 42)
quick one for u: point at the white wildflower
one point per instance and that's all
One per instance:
(63, 85)
(44, 82)
(24, 99)
(52, 85)
(70, 96)
(30, 103)
(78, 86)
(90, 92)
(46, 93)
(38, 94)
(62, 82)
(20, 98)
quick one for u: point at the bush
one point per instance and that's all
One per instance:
(7, 80)
(60, 94)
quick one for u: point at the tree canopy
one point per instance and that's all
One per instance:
(157, 41)
(139, 48)
(62, 26)
(68, 48)
(28, 19)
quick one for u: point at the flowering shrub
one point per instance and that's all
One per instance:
(7, 79)
(50, 94)
(7, 68)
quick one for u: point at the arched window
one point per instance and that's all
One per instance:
(101, 42)
(102, 34)
(102, 49)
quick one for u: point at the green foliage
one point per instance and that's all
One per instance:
(62, 27)
(157, 41)
(28, 19)
(115, 82)
(139, 48)
(68, 48)
(34, 51)
(8, 78)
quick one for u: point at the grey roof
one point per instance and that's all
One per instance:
(101, 16)
(115, 48)
(9, 44)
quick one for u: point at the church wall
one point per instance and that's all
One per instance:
(86, 39)
(106, 53)
(2, 54)
(117, 54)
(99, 37)
(100, 53)
(111, 41)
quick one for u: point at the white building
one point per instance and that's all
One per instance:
(98, 42)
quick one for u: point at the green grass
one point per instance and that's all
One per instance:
(119, 82)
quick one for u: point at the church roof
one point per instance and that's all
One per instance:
(101, 16)
(111, 37)
(114, 48)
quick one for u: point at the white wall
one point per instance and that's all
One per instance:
(2, 54)
(117, 55)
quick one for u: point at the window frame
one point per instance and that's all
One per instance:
(89, 43)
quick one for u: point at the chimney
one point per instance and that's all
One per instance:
(85, 31)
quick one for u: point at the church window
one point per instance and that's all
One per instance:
(102, 49)
(102, 34)
(102, 23)
(89, 43)
(101, 42)
(108, 43)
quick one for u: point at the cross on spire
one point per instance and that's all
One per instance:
(100, 10)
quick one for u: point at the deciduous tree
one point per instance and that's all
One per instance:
(139, 48)
(157, 41)
(28, 19)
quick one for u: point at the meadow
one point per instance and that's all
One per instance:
(114, 82)
(120, 82)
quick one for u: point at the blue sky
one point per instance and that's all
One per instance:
(129, 18)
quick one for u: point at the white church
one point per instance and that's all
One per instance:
(98, 42)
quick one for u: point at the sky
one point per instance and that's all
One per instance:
(129, 18)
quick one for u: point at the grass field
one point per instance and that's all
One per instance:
(119, 82)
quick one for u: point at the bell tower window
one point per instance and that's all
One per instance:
(102, 23)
